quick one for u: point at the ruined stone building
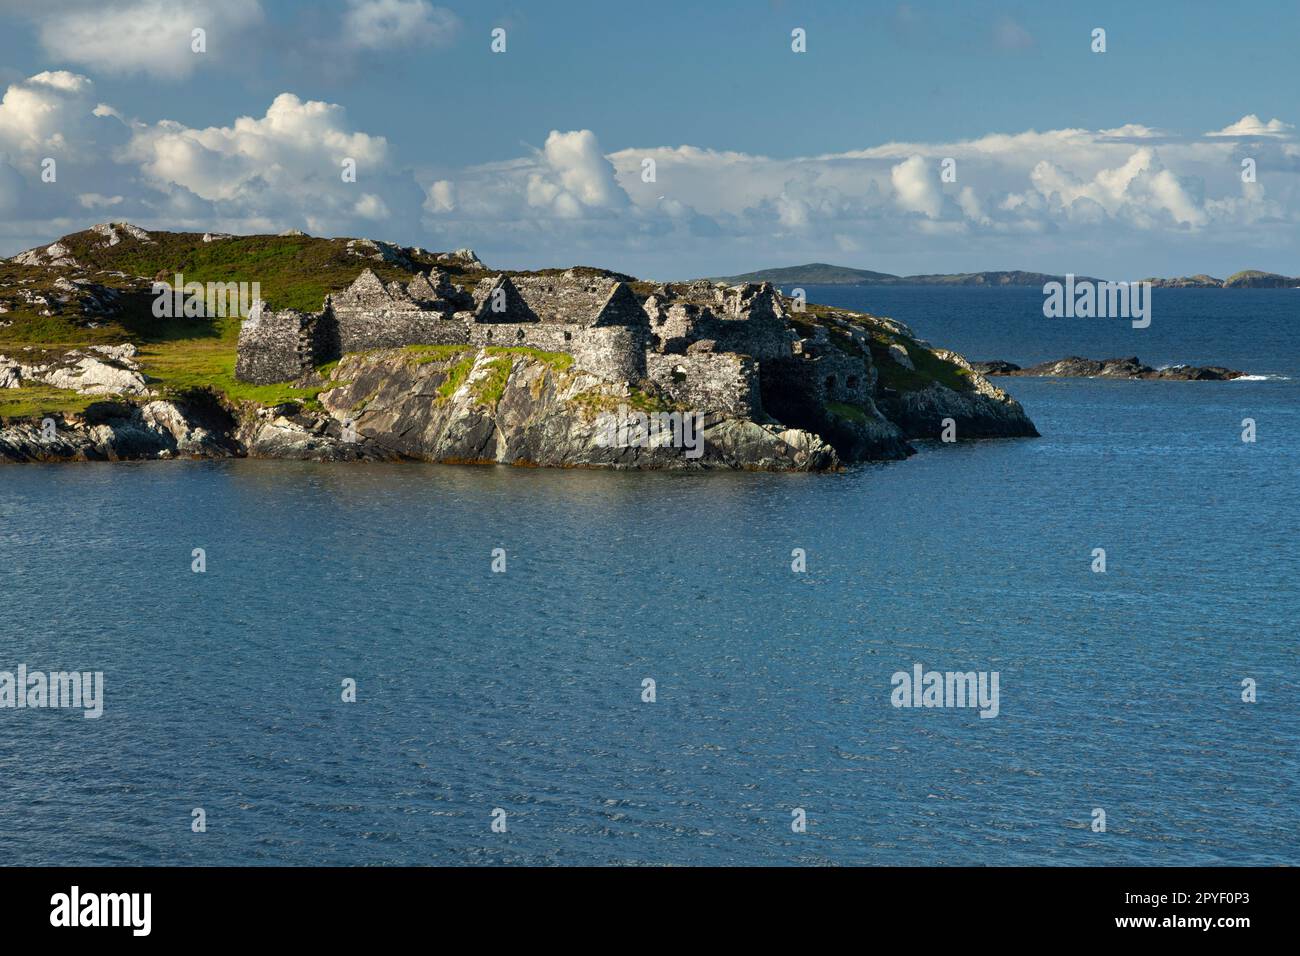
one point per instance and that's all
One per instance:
(725, 349)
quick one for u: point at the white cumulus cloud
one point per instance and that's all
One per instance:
(917, 187)
(143, 36)
(1252, 125)
(387, 24)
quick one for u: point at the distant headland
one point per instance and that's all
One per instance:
(822, 273)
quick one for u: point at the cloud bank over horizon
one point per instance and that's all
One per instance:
(1056, 200)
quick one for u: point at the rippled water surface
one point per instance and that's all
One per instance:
(522, 690)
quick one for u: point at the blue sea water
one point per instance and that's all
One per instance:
(522, 690)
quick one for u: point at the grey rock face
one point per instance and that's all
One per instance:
(921, 414)
(983, 411)
(465, 258)
(107, 370)
(110, 431)
(10, 373)
(479, 407)
(114, 232)
(287, 432)
(900, 356)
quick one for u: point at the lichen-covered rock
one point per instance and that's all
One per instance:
(286, 431)
(899, 355)
(10, 373)
(111, 370)
(524, 408)
(114, 431)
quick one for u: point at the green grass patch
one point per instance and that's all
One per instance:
(173, 368)
(423, 354)
(456, 376)
(293, 272)
(591, 403)
(848, 412)
(929, 367)
(31, 329)
(37, 401)
(177, 367)
(556, 361)
(492, 386)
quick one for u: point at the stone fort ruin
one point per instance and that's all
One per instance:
(699, 345)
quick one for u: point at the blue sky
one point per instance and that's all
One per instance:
(1065, 159)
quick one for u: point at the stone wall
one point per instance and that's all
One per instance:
(762, 337)
(360, 330)
(748, 319)
(497, 299)
(615, 353)
(828, 375)
(708, 381)
(563, 299)
(754, 322)
(269, 346)
(547, 336)
(607, 330)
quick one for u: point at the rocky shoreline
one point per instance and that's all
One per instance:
(386, 405)
(1123, 368)
(411, 355)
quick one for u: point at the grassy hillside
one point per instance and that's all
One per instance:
(294, 272)
(1254, 279)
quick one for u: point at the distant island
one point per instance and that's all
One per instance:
(1125, 368)
(823, 273)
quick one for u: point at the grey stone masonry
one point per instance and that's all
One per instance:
(716, 381)
(498, 300)
(701, 346)
(271, 345)
(749, 319)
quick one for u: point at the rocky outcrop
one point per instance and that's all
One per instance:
(58, 255)
(100, 370)
(112, 431)
(522, 408)
(480, 406)
(982, 410)
(288, 432)
(465, 258)
(55, 254)
(380, 252)
(1129, 368)
(114, 232)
